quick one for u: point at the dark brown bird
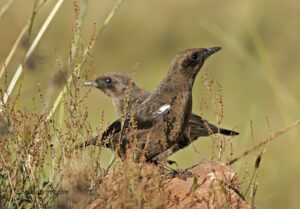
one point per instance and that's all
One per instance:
(125, 95)
(163, 116)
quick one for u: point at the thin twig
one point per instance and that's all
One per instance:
(84, 56)
(10, 182)
(17, 42)
(6, 7)
(34, 12)
(278, 133)
(111, 162)
(33, 179)
(29, 52)
(13, 49)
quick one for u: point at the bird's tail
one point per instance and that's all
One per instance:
(200, 127)
(228, 132)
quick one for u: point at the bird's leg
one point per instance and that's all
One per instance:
(180, 174)
(174, 173)
(163, 156)
(165, 167)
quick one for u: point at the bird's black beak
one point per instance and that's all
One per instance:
(211, 51)
(90, 83)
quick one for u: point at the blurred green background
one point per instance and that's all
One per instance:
(258, 68)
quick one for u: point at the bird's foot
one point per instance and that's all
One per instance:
(179, 174)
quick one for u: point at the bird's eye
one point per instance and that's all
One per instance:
(107, 80)
(194, 56)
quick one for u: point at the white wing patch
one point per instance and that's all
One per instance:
(163, 109)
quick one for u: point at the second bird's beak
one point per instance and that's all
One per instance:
(90, 83)
(211, 51)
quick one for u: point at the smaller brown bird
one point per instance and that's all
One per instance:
(125, 95)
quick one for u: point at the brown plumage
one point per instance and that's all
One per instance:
(163, 118)
(125, 95)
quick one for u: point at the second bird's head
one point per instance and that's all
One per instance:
(190, 61)
(112, 84)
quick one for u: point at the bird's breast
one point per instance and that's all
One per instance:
(176, 120)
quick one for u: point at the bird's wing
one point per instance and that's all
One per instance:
(113, 128)
(149, 112)
(87, 143)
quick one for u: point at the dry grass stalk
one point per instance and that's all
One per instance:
(83, 58)
(6, 7)
(29, 52)
(260, 144)
(18, 40)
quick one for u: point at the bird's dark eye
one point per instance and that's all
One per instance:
(107, 80)
(194, 56)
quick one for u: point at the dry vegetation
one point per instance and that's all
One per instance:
(40, 169)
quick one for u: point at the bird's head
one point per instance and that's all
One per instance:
(113, 84)
(190, 61)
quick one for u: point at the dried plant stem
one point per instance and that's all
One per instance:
(84, 57)
(278, 133)
(255, 172)
(29, 52)
(10, 182)
(17, 42)
(111, 162)
(33, 179)
(13, 49)
(6, 7)
(34, 12)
